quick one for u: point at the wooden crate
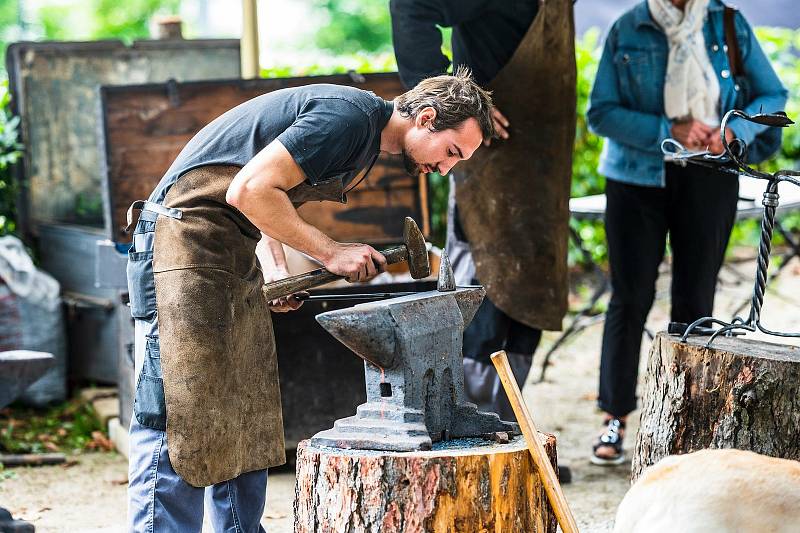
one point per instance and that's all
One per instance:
(146, 126)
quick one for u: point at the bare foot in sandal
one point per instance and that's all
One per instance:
(607, 450)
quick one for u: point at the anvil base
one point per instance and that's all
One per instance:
(384, 427)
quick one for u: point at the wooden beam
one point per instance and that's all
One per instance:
(249, 47)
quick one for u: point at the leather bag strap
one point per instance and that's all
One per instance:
(734, 53)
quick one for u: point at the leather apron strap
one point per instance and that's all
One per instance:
(146, 205)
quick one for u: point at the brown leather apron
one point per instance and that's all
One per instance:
(513, 197)
(217, 347)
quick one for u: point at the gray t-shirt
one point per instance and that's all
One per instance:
(331, 131)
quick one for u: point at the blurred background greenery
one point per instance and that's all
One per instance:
(356, 35)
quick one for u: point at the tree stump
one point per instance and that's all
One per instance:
(463, 485)
(739, 393)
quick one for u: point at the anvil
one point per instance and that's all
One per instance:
(413, 367)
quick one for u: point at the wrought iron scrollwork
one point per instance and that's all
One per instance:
(733, 160)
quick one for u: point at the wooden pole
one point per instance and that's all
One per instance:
(249, 42)
(548, 476)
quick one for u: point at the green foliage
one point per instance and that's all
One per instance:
(10, 152)
(354, 26)
(77, 20)
(586, 155)
(127, 20)
(58, 22)
(8, 20)
(66, 427)
(341, 64)
(585, 179)
(782, 46)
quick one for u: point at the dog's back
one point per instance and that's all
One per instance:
(714, 491)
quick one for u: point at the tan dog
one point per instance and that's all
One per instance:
(715, 491)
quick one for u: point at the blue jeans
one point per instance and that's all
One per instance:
(160, 501)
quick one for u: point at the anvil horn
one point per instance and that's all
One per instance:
(367, 329)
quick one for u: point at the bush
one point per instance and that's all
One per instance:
(10, 152)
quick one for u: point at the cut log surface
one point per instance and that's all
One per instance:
(465, 485)
(740, 393)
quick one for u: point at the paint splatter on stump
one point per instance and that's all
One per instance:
(740, 393)
(461, 485)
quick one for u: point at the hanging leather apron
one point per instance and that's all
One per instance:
(513, 198)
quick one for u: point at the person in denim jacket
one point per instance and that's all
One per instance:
(664, 72)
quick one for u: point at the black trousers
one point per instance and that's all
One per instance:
(697, 208)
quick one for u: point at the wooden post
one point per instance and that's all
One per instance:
(466, 485)
(739, 393)
(249, 43)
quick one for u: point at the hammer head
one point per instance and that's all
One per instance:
(418, 262)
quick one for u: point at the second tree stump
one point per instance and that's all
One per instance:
(461, 486)
(739, 393)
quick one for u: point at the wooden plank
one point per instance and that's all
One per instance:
(146, 126)
(544, 467)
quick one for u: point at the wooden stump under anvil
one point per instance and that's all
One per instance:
(463, 485)
(739, 393)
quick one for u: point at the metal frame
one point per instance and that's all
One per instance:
(733, 161)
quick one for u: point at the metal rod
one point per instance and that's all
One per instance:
(302, 297)
(359, 296)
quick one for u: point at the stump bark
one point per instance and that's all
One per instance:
(467, 485)
(740, 393)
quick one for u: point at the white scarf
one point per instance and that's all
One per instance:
(691, 88)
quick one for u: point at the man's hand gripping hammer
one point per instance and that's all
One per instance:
(412, 250)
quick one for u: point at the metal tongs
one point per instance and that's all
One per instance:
(675, 152)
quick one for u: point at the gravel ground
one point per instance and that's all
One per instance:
(89, 495)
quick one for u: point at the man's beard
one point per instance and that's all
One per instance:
(411, 166)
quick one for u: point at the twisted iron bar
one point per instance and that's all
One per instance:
(770, 201)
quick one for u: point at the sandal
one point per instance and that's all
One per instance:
(611, 438)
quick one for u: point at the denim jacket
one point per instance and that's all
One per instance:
(627, 101)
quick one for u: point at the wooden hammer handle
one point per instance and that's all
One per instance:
(315, 278)
(546, 472)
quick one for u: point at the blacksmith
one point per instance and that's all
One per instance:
(489, 37)
(207, 412)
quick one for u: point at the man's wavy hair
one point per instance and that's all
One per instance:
(455, 98)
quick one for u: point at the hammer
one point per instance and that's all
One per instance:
(412, 250)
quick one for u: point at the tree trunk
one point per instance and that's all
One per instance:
(739, 393)
(467, 485)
